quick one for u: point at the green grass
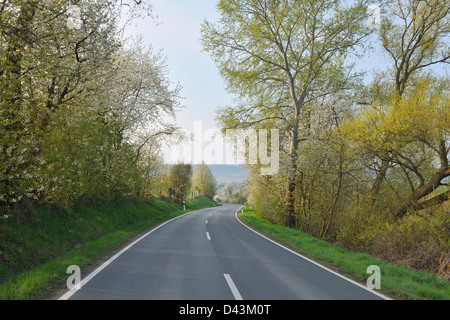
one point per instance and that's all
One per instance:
(396, 281)
(199, 203)
(37, 247)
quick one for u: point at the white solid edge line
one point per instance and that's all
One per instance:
(72, 291)
(312, 261)
(233, 288)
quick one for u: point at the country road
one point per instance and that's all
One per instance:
(210, 255)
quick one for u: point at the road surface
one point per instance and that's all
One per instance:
(210, 255)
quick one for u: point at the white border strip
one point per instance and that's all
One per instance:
(72, 291)
(312, 261)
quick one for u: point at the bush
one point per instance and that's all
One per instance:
(356, 227)
(416, 241)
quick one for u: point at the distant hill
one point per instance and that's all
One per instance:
(225, 173)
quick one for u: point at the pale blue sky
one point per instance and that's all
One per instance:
(177, 32)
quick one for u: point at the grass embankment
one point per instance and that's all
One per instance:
(396, 281)
(37, 247)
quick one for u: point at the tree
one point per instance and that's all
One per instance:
(415, 130)
(80, 111)
(136, 93)
(227, 193)
(413, 37)
(180, 180)
(241, 194)
(45, 65)
(204, 180)
(152, 172)
(279, 56)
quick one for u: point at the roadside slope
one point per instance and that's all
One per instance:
(396, 281)
(37, 248)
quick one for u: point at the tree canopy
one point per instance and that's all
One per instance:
(204, 180)
(362, 163)
(81, 109)
(280, 58)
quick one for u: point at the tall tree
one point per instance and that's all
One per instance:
(227, 193)
(415, 129)
(203, 178)
(52, 55)
(279, 56)
(180, 180)
(47, 65)
(413, 37)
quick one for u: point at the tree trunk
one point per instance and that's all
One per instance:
(292, 178)
(435, 181)
(293, 150)
(412, 201)
(289, 207)
(326, 221)
(379, 179)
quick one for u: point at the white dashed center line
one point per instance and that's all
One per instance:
(233, 287)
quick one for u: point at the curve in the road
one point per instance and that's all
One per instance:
(210, 254)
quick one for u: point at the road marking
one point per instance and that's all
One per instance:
(72, 291)
(234, 290)
(206, 221)
(208, 236)
(312, 261)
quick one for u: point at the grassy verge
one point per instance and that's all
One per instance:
(37, 248)
(396, 281)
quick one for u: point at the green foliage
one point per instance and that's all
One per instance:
(416, 241)
(200, 203)
(355, 159)
(411, 132)
(180, 180)
(204, 180)
(80, 110)
(357, 225)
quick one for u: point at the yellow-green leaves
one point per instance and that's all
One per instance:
(203, 179)
(420, 116)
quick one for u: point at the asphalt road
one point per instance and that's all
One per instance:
(210, 255)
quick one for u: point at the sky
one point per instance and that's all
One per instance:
(176, 31)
